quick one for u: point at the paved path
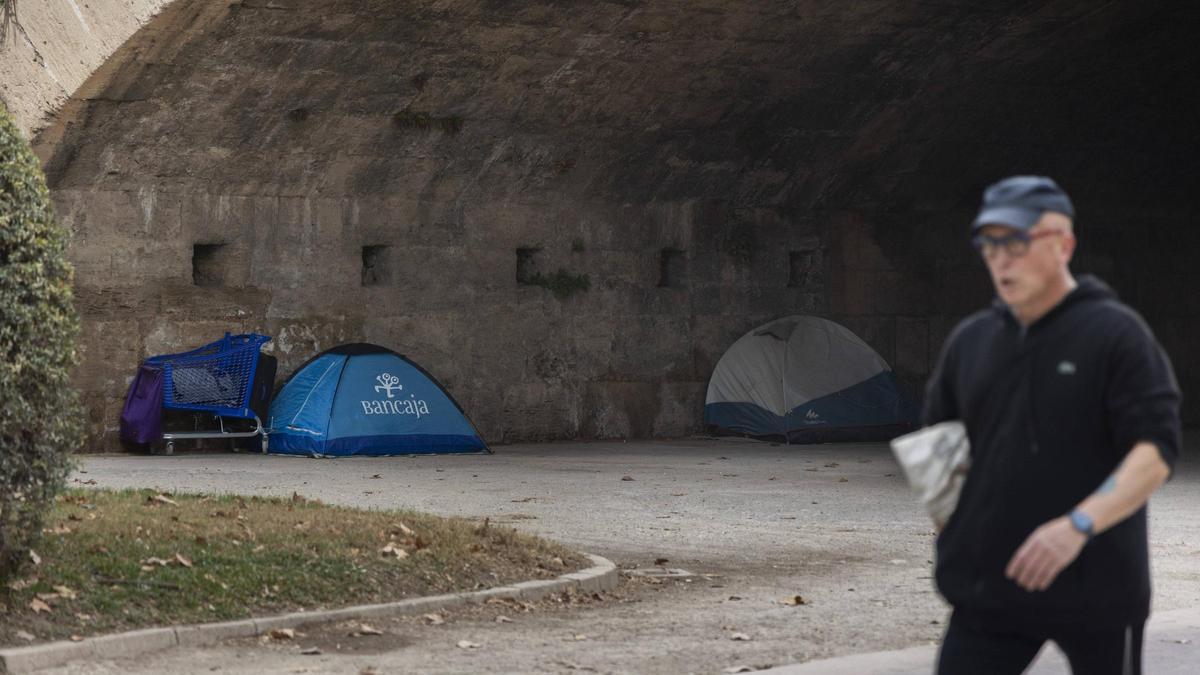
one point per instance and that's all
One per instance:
(1172, 647)
(757, 523)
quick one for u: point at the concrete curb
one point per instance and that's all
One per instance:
(601, 576)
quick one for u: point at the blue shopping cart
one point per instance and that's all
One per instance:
(217, 378)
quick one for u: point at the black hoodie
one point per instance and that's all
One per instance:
(1051, 411)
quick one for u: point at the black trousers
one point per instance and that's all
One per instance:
(974, 650)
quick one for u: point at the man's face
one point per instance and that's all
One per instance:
(1023, 278)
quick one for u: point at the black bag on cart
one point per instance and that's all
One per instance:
(260, 397)
(264, 385)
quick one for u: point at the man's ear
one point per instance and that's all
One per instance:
(1067, 242)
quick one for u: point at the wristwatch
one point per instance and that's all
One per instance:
(1082, 522)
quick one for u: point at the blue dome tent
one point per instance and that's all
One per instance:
(802, 379)
(363, 399)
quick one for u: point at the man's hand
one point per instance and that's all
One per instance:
(1044, 554)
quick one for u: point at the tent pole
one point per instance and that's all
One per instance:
(783, 381)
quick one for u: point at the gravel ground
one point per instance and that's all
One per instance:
(755, 524)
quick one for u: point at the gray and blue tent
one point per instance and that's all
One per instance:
(363, 399)
(802, 379)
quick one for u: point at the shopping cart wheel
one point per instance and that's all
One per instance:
(264, 444)
(169, 448)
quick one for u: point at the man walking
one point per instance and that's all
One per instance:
(1072, 411)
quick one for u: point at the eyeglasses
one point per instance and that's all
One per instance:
(1015, 244)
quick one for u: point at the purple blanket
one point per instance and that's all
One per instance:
(141, 419)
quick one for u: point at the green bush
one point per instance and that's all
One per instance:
(39, 415)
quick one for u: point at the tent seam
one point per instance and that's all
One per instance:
(310, 393)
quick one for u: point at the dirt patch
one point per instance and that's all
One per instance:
(378, 636)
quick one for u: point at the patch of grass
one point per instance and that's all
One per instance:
(113, 561)
(562, 284)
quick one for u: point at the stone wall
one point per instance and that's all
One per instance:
(409, 173)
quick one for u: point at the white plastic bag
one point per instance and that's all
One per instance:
(935, 461)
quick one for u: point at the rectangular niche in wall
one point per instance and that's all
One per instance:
(672, 268)
(376, 267)
(210, 264)
(805, 269)
(527, 265)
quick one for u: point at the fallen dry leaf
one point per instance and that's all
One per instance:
(843, 479)
(377, 476)
(58, 529)
(392, 550)
(28, 637)
(83, 617)
(578, 637)
(152, 561)
(740, 637)
(364, 629)
(503, 619)
(38, 606)
(467, 644)
(626, 477)
(282, 634)
(793, 601)
(76, 638)
(161, 499)
(311, 651)
(22, 584)
(434, 619)
(37, 559)
(182, 560)
(65, 593)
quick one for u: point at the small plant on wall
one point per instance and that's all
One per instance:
(412, 119)
(562, 284)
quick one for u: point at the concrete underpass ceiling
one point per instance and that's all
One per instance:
(788, 114)
(885, 105)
